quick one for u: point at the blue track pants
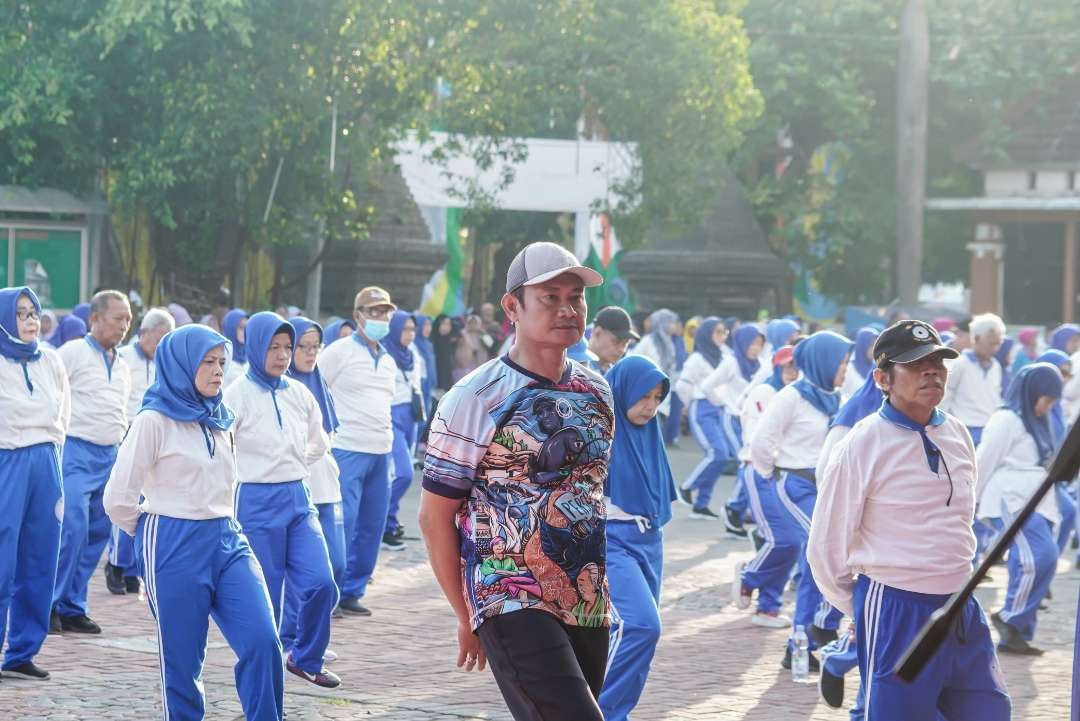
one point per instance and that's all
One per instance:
(1032, 563)
(365, 497)
(962, 680)
(31, 506)
(195, 570)
(635, 564)
(333, 527)
(86, 467)
(706, 423)
(402, 461)
(785, 536)
(283, 528)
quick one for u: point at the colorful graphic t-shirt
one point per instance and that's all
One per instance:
(530, 457)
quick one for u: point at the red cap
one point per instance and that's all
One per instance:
(783, 356)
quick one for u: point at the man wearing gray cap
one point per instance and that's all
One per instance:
(512, 508)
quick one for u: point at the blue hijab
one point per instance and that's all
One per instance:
(779, 332)
(862, 403)
(392, 342)
(1057, 359)
(703, 342)
(1061, 336)
(260, 331)
(82, 312)
(864, 341)
(333, 331)
(819, 358)
(314, 380)
(424, 346)
(665, 348)
(1032, 382)
(743, 339)
(229, 325)
(10, 344)
(70, 328)
(1002, 357)
(639, 479)
(173, 393)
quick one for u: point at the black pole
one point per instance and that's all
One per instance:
(1065, 467)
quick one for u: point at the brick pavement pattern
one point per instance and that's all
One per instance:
(398, 665)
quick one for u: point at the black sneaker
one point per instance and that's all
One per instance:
(324, 678)
(114, 580)
(758, 539)
(79, 624)
(390, 542)
(703, 513)
(353, 607)
(1010, 640)
(815, 665)
(54, 624)
(28, 671)
(831, 688)
(821, 636)
(131, 584)
(733, 523)
(686, 496)
(399, 532)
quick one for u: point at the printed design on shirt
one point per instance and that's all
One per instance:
(532, 528)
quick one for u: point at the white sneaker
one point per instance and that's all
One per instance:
(738, 599)
(329, 655)
(767, 621)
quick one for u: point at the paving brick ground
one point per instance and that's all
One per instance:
(398, 664)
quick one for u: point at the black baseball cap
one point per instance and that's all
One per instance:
(907, 341)
(616, 320)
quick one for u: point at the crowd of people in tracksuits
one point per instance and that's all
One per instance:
(253, 475)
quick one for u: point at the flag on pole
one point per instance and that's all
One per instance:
(602, 255)
(443, 293)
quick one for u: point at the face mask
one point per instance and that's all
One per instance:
(376, 330)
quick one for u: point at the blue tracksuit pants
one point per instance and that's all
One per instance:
(195, 570)
(121, 551)
(283, 528)
(673, 422)
(332, 521)
(706, 423)
(402, 468)
(31, 506)
(86, 467)
(840, 657)
(784, 534)
(365, 497)
(635, 564)
(1067, 507)
(1032, 563)
(798, 496)
(963, 680)
(739, 500)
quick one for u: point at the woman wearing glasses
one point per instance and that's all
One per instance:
(35, 407)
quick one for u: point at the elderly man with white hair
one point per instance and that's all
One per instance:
(974, 388)
(120, 577)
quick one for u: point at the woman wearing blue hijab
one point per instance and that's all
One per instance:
(1063, 338)
(172, 488)
(862, 361)
(778, 333)
(35, 402)
(1018, 445)
(1066, 502)
(337, 330)
(234, 327)
(324, 482)
(406, 411)
(785, 447)
(280, 434)
(726, 386)
(706, 416)
(1005, 357)
(426, 350)
(639, 491)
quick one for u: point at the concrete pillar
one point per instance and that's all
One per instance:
(987, 279)
(1068, 285)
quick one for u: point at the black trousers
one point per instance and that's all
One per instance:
(546, 670)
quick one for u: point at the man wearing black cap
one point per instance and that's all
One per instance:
(612, 333)
(512, 508)
(891, 538)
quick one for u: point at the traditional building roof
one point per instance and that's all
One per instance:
(724, 266)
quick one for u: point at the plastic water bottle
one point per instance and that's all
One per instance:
(800, 656)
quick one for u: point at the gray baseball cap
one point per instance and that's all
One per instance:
(540, 262)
